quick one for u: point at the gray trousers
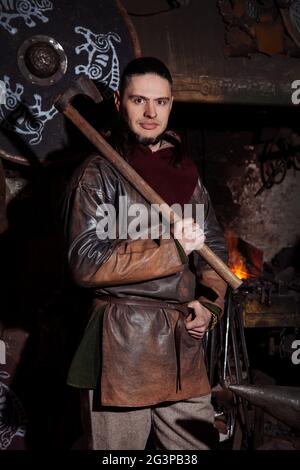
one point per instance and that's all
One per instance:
(184, 425)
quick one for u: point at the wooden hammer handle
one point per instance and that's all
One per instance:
(144, 189)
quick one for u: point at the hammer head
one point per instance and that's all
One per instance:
(82, 86)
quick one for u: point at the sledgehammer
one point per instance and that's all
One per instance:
(84, 86)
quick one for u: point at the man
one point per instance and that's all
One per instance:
(141, 352)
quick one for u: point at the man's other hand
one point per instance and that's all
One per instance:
(197, 323)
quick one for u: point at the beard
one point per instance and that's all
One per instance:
(133, 137)
(146, 140)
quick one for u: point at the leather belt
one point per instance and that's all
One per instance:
(180, 307)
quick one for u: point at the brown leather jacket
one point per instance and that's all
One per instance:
(144, 349)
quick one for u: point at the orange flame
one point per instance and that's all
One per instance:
(239, 269)
(236, 262)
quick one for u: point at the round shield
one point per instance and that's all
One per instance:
(45, 45)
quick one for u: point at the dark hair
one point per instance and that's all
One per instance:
(142, 66)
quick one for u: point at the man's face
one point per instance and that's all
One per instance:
(146, 106)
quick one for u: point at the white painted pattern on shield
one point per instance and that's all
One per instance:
(26, 9)
(27, 120)
(102, 59)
